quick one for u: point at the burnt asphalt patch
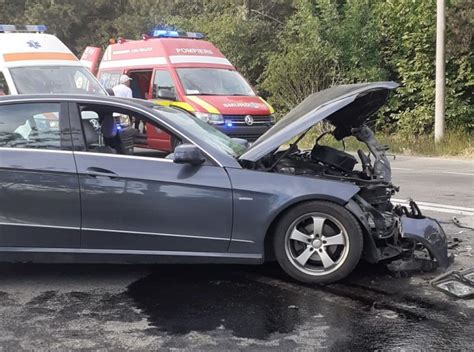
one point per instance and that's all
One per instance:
(179, 300)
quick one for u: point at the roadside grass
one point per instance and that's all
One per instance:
(454, 144)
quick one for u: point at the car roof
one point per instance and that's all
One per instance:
(78, 97)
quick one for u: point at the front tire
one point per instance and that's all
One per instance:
(318, 242)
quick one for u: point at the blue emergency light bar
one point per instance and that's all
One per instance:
(12, 28)
(163, 33)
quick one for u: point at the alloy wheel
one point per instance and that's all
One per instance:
(317, 244)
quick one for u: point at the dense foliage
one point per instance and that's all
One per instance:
(289, 49)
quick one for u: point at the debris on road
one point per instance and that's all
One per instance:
(466, 222)
(403, 267)
(454, 243)
(459, 284)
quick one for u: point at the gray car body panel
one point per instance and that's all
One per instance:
(153, 204)
(39, 193)
(259, 197)
(313, 109)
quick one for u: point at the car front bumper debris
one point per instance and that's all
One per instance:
(430, 234)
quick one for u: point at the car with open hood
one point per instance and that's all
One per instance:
(73, 191)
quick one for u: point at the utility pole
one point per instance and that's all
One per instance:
(248, 5)
(440, 67)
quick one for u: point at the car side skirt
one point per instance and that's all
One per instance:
(120, 256)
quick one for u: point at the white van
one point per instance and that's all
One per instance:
(32, 62)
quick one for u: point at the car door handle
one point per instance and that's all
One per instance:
(100, 172)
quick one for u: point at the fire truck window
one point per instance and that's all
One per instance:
(3, 85)
(164, 82)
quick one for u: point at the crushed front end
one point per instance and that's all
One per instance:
(392, 232)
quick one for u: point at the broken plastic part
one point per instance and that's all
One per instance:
(459, 284)
(430, 234)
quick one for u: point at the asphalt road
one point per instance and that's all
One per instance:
(216, 308)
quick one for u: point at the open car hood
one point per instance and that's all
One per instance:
(344, 106)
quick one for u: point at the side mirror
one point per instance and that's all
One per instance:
(188, 154)
(167, 94)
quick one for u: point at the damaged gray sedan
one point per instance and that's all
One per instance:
(74, 192)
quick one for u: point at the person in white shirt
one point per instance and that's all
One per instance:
(123, 88)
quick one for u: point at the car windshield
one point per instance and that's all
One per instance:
(55, 79)
(213, 81)
(203, 131)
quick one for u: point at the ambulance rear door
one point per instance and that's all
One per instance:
(90, 58)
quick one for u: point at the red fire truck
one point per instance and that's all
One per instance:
(182, 70)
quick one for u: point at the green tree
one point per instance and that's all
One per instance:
(321, 45)
(303, 62)
(409, 31)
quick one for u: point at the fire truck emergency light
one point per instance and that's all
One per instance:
(163, 33)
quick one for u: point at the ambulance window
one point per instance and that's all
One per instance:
(3, 85)
(163, 85)
(55, 79)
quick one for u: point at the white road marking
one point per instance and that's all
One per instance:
(457, 173)
(441, 208)
(433, 171)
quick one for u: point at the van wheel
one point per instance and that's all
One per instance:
(318, 242)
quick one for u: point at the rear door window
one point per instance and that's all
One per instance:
(34, 125)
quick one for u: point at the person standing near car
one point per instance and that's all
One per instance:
(123, 88)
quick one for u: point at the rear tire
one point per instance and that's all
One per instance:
(318, 242)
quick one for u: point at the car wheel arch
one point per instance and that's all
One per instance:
(370, 252)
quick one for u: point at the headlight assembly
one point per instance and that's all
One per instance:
(212, 119)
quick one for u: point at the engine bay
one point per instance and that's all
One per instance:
(374, 176)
